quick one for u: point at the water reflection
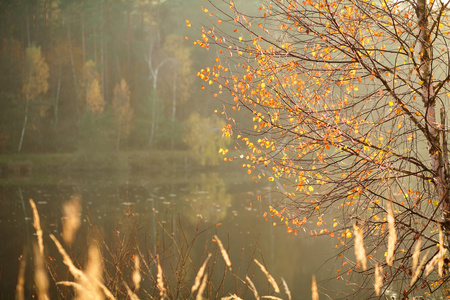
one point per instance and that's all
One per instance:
(225, 203)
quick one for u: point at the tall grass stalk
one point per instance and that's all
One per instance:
(392, 239)
(71, 220)
(79, 275)
(360, 252)
(21, 279)
(314, 289)
(224, 253)
(136, 274)
(200, 273)
(286, 289)
(378, 279)
(168, 274)
(37, 226)
(269, 277)
(40, 276)
(253, 288)
(419, 268)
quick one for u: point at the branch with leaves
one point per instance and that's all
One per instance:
(343, 100)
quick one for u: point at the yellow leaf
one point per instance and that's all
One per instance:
(311, 189)
(391, 103)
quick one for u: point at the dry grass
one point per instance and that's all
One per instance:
(392, 239)
(109, 272)
(136, 274)
(166, 270)
(269, 277)
(378, 279)
(314, 289)
(360, 252)
(21, 280)
(37, 226)
(40, 276)
(71, 219)
(223, 252)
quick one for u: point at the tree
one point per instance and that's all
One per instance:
(202, 138)
(122, 110)
(349, 104)
(179, 78)
(94, 97)
(35, 81)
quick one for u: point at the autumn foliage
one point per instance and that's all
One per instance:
(347, 102)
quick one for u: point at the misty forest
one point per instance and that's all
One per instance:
(216, 149)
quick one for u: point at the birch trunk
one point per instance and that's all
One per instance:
(436, 138)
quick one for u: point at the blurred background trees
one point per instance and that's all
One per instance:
(90, 84)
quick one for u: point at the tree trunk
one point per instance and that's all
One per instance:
(174, 108)
(154, 95)
(72, 62)
(437, 149)
(58, 89)
(26, 114)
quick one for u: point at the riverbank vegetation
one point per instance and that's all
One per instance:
(131, 266)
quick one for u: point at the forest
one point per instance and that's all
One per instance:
(100, 76)
(339, 107)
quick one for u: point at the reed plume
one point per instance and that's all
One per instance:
(202, 288)
(79, 275)
(199, 275)
(269, 277)
(392, 239)
(37, 226)
(419, 268)
(360, 252)
(253, 288)
(71, 220)
(136, 277)
(21, 279)
(40, 276)
(159, 280)
(378, 279)
(223, 251)
(314, 290)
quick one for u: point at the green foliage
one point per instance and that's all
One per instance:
(204, 139)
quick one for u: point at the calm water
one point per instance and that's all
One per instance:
(223, 203)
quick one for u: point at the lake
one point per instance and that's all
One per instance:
(163, 209)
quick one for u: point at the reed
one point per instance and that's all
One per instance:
(378, 279)
(155, 272)
(360, 252)
(37, 226)
(71, 219)
(21, 280)
(314, 289)
(392, 239)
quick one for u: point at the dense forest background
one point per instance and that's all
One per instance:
(100, 75)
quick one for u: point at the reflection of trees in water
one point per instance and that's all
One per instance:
(208, 199)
